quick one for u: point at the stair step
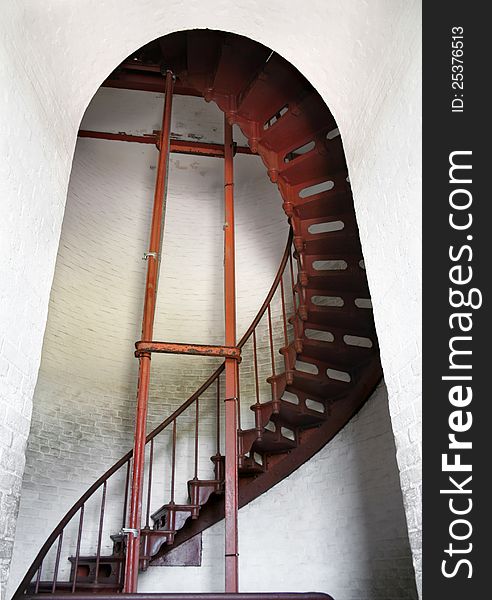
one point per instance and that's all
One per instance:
(329, 226)
(174, 48)
(366, 331)
(320, 161)
(303, 396)
(276, 85)
(337, 356)
(328, 223)
(202, 56)
(307, 190)
(328, 205)
(344, 319)
(200, 490)
(270, 442)
(307, 114)
(152, 541)
(319, 387)
(338, 281)
(248, 467)
(109, 570)
(174, 516)
(352, 260)
(348, 359)
(239, 63)
(342, 242)
(331, 298)
(295, 415)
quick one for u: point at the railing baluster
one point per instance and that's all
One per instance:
(271, 339)
(99, 537)
(258, 424)
(197, 418)
(38, 578)
(173, 467)
(238, 388)
(149, 488)
(125, 502)
(255, 362)
(218, 415)
(291, 268)
(77, 551)
(284, 317)
(57, 562)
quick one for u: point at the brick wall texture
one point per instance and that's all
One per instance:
(52, 62)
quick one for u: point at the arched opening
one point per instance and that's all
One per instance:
(305, 159)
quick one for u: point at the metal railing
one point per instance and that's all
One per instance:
(273, 312)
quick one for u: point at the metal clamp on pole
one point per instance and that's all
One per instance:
(128, 530)
(147, 254)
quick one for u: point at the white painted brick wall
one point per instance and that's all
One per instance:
(31, 208)
(364, 60)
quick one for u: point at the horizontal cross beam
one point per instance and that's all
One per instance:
(177, 146)
(194, 349)
(145, 80)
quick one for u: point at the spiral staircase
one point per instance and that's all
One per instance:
(317, 316)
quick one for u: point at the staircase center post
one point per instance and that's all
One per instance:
(153, 260)
(231, 372)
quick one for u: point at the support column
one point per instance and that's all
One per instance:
(153, 260)
(231, 372)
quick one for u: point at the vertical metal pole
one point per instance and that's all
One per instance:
(231, 374)
(134, 521)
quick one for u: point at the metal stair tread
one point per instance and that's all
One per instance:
(339, 281)
(295, 415)
(270, 442)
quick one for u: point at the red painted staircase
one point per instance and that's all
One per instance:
(316, 317)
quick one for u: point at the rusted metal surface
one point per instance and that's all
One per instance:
(188, 554)
(149, 81)
(134, 520)
(151, 138)
(176, 146)
(135, 508)
(149, 483)
(173, 462)
(57, 563)
(193, 349)
(231, 374)
(204, 148)
(100, 530)
(77, 551)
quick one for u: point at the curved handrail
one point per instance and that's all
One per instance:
(124, 459)
(270, 294)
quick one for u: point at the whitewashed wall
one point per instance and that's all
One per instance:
(84, 401)
(364, 59)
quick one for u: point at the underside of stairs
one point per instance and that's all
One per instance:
(329, 352)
